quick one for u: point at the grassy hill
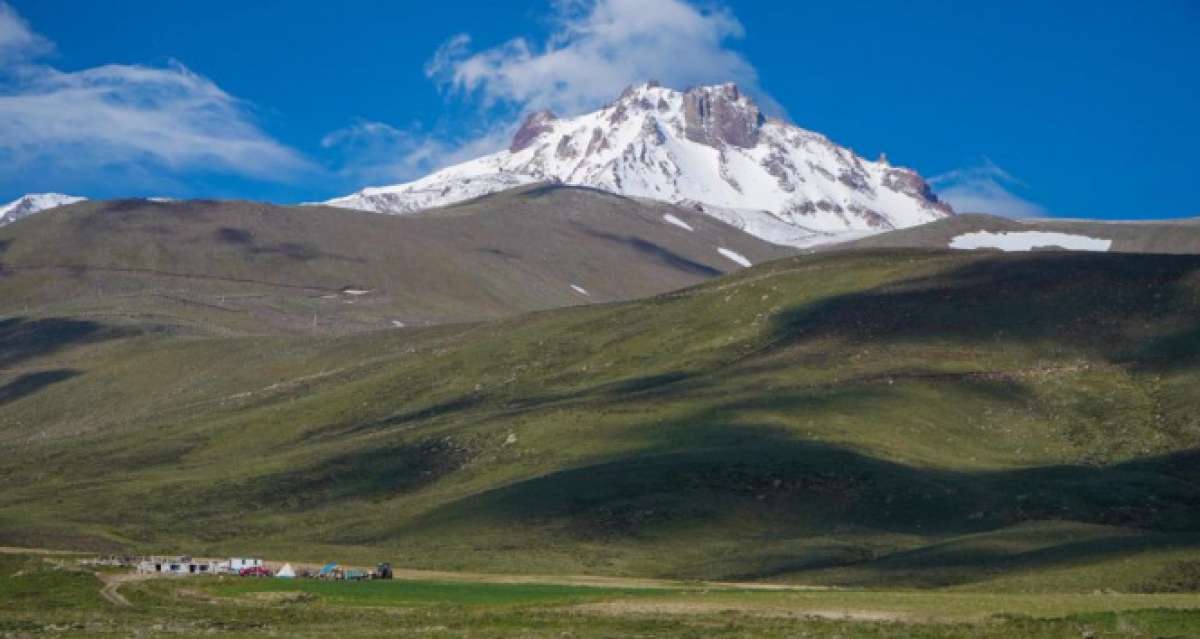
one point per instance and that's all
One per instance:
(880, 418)
(247, 268)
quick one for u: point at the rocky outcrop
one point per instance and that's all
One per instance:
(721, 115)
(536, 124)
(913, 185)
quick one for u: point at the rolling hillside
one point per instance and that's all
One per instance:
(901, 418)
(249, 268)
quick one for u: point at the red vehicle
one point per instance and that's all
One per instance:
(254, 571)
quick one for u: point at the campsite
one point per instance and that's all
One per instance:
(188, 566)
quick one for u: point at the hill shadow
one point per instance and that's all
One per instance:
(23, 339)
(382, 472)
(1098, 302)
(298, 251)
(659, 253)
(819, 488)
(31, 383)
(794, 489)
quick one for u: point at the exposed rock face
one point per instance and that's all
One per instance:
(566, 149)
(708, 147)
(909, 183)
(535, 125)
(721, 115)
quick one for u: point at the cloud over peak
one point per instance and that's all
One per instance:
(595, 49)
(985, 188)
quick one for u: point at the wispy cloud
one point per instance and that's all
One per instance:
(985, 188)
(368, 152)
(17, 39)
(596, 48)
(131, 120)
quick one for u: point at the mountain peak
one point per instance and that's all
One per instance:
(31, 203)
(709, 147)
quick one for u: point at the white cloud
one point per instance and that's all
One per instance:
(985, 188)
(596, 49)
(125, 119)
(17, 40)
(375, 152)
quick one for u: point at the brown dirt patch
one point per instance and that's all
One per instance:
(632, 607)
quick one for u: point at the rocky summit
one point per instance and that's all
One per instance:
(710, 148)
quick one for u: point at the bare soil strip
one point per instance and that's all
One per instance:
(659, 608)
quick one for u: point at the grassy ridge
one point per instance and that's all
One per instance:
(869, 419)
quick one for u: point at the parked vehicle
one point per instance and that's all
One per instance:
(255, 571)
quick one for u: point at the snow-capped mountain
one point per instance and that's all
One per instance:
(27, 205)
(710, 148)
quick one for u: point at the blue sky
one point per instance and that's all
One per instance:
(1085, 109)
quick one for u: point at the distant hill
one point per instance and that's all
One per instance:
(1180, 236)
(244, 267)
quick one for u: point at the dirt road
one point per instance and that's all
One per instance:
(114, 580)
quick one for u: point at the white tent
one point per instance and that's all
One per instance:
(287, 572)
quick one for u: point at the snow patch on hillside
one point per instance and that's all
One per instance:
(671, 219)
(736, 257)
(1028, 241)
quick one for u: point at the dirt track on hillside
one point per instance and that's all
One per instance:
(113, 581)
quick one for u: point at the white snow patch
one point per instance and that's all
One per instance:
(579, 289)
(671, 219)
(736, 257)
(355, 291)
(397, 323)
(1029, 240)
(31, 203)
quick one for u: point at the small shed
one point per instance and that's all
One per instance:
(236, 564)
(286, 572)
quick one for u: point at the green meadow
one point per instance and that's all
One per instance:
(40, 596)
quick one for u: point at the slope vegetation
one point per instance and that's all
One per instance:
(900, 418)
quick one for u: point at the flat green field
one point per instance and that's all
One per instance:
(53, 596)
